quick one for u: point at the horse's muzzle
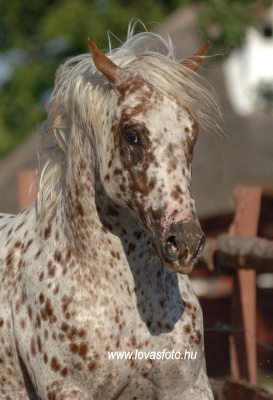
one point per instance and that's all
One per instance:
(181, 246)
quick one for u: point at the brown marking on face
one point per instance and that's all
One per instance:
(177, 193)
(140, 183)
(191, 138)
(133, 85)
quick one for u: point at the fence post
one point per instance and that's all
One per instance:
(243, 340)
(27, 190)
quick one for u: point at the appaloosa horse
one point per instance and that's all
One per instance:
(99, 263)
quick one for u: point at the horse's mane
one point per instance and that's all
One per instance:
(81, 92)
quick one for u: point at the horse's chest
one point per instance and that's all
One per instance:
(111, 325)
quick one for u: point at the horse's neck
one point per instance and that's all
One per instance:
(86, 209)
(93, 223)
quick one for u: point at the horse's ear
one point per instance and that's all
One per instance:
(197, 58)
(104, 64)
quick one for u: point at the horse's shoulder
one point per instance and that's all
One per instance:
(5, 220)
(16, 232)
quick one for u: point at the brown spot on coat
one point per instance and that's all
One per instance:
(187, 329)
(33, 347)
(54, 364)
(47, 231)
(92, 366)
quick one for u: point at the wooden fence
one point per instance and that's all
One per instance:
(241, 253)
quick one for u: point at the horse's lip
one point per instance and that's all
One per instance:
(179, 269)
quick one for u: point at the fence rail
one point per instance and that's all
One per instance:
(230, 253)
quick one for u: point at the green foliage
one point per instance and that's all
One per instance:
(48, 31)
(224, 22)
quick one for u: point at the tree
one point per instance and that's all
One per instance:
(36, 36)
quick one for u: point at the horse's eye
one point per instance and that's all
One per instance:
(131, 137)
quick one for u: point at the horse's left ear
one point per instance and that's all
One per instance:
(197, 58)
(106, 66)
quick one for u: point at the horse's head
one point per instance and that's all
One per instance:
(146, 164)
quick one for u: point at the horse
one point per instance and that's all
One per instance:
(95, 298)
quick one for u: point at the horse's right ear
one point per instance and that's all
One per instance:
(193, 62)
(106, 66)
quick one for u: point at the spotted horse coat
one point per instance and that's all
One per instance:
(99, 263)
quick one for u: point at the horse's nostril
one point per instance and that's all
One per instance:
(172, 249)
(172, 243)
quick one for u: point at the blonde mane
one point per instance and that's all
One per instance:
(81, 92)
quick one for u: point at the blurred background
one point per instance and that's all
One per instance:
(36, 36)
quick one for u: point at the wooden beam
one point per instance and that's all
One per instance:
(230, 253)
(27, 190)
(242, 341)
